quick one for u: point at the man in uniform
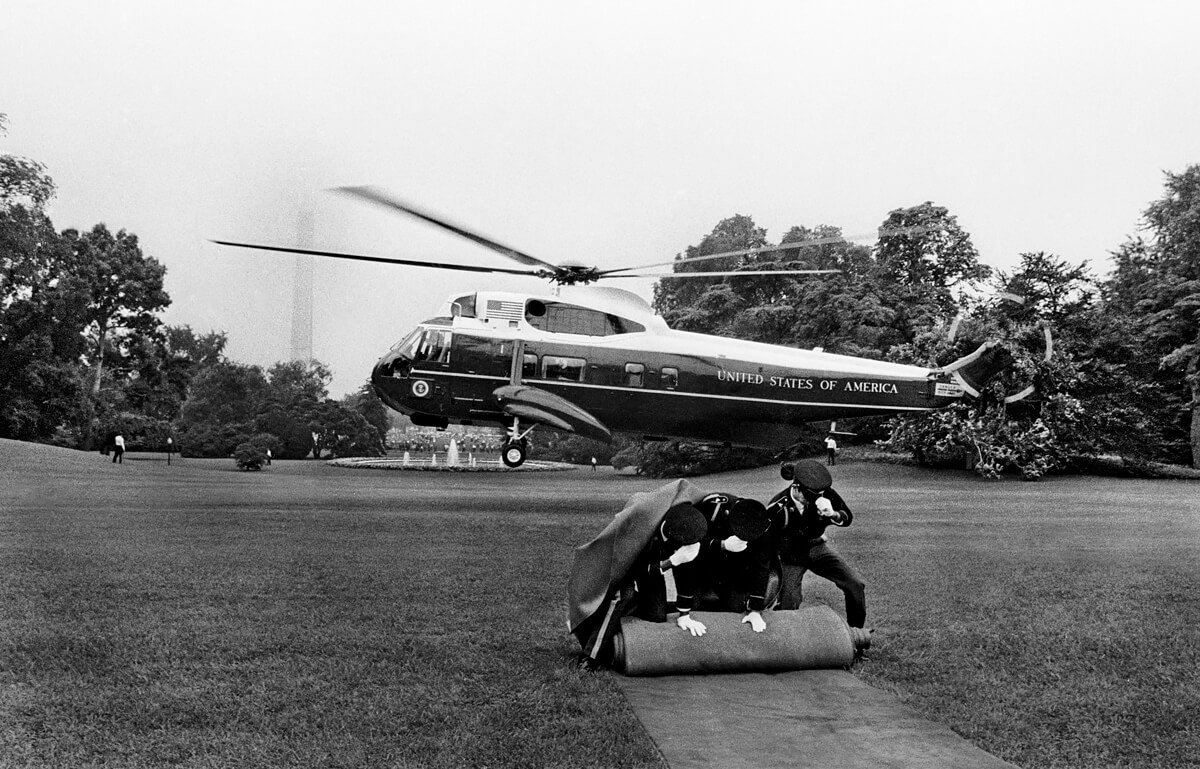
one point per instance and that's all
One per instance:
(668, 564)
(735, 560)
(800, 514)
(626, 569)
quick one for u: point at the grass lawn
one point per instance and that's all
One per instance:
(307, 615)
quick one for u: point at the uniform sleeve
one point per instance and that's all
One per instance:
(686, 579)
(845, 517)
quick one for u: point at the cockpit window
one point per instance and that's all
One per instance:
(408, 345)
(557, 317)
(426, 344)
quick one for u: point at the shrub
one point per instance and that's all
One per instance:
(249, 456)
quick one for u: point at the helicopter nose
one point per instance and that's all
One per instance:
(384, 375)
(391, 365)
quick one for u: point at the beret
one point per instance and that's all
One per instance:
(748, 519)
(807, 473)
(684, 524)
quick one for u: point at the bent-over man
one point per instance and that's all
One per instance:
(670, 558)
(735, 560)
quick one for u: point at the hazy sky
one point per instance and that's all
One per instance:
(611, 133)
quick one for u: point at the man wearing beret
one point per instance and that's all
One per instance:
(670, 556)
(737, 553)
(801, 513)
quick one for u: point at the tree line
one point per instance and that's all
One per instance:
(84, 355)
(1113, 360)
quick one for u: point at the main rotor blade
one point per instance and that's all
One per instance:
(720, 274)
(362, 258)
(781, 247)
(376, 195)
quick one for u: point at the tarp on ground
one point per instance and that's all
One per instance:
(602, 563)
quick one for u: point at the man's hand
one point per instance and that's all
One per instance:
(825, 508)
(756, 621)
(686, 622)
(684, 554)
(733, 544)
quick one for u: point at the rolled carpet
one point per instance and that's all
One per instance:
(807, 638)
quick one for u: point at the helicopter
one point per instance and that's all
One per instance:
(595, 361)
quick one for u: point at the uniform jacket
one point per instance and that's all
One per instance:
(798, 524)
(749, 570)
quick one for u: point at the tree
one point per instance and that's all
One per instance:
(840, 313)
(291, 429)
(703, 304)
(225, 394)
(924, 263)
(343, 432)
(206, 350)
(40, 316)
(366, 402)
(1156, 285)
(39, 329)
(1051, 289)
(299, 384)
(22, 181)
(123, 288)
(1033, 435)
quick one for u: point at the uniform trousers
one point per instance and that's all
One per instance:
(821, 559)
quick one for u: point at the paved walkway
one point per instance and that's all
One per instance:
(809, 718)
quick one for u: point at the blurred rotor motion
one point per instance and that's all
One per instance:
(1017, 394)
(566, 273)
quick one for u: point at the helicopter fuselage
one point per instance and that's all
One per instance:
(628, 371)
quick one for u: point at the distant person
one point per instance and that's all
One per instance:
(119, 449)
(735, 561)
(802, 512)
(593, 464)
(831, 448)
(268, 457)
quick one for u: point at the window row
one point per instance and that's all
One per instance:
(434, 345)
(575, 369)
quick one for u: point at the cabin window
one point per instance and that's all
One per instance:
(567, 369)
(635, 374)
(434, 346)
(528, 365)
(669, 378)
(560, 318)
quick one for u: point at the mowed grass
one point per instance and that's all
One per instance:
(193, 615)
(1054, 624)
(217, 619)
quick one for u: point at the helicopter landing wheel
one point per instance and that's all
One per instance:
(513, 454)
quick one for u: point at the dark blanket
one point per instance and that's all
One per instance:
(602, 564)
